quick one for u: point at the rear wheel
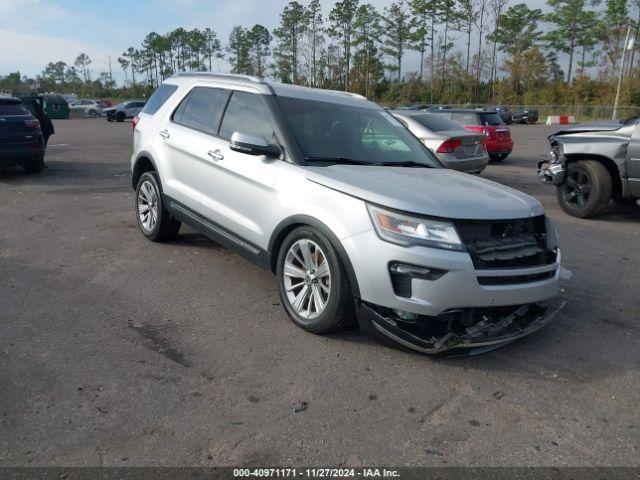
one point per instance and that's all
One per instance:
(120, 117)
(155, 222)
(93, 113)
(586, 191)
(313, 284)
(498, 157)
(35, 167)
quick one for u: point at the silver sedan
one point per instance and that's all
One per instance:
(456, 147)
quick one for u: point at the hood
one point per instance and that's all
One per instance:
(603, 126)
(436, 192)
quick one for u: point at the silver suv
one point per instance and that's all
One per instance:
(353, 214)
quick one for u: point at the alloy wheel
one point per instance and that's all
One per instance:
(148, 206)
(577, 188)
(307, 278)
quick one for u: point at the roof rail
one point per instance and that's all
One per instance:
(229, 76)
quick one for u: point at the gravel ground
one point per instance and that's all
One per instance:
(118, 351)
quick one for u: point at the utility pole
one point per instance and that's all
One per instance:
(628, 45)
(110, 73)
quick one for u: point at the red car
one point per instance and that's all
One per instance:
(498, 135)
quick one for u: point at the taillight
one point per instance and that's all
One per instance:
(449, 146)
(32, 123)
(135, 122)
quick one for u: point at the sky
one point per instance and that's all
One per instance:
(35, 32)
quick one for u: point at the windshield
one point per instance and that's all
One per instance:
(349, 134)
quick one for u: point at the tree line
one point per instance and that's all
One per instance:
(470, 51)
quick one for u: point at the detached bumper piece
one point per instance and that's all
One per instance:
(461, 332)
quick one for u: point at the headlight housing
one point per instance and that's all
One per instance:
(406, 230)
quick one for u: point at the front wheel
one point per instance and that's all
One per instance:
(586, 191)
(313, 283)
(120, 117)
(154, 221)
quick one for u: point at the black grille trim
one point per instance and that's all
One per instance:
(516, 279)
(506, 244)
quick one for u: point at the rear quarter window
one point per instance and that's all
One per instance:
(12, 109)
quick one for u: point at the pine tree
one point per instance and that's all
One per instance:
(397, 34)
(342, 18)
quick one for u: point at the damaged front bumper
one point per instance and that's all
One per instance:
(461, 332)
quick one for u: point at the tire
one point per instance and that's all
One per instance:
(120, 117)
(333, 289)
(93, 113)
(34, 167)
(586, 191)
(157, 224)
(498, 157)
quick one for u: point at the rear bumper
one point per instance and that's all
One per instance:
(496, 146)
(467, 165)
(432, 335)
(22, 155)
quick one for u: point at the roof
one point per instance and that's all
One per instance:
(8, 98)
(268, 87)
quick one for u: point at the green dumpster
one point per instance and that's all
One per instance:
(55, 106)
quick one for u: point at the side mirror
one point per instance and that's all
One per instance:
(253, 145)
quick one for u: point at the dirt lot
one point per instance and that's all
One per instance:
(118, 351)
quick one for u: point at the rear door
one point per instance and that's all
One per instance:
(187, 142)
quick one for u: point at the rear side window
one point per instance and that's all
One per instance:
(202, 109)
(247, 113)
(467, 118)
(436, 123)
(13, 108)
(489, 119)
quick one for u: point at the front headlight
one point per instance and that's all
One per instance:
(407, 230)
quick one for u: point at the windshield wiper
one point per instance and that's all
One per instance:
(408, 163)
(339, 160)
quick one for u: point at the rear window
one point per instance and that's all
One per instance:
(202, 109)
(13, 108)
(436, 123)
(465, 119)
(490, 119)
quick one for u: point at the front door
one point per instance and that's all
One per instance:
(239, 190)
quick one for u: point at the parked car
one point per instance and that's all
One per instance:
(21, 140)
(124, 110)
(353, 214)
(85, 107)
(525, 116)
(593, 163)
(498, 135)
(455, 146)
(504, 112)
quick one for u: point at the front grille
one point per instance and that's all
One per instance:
(516, 279)
(496, 244)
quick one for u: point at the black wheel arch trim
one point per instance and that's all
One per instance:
(285, 226)
(148, 156)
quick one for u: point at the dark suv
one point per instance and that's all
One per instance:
(21, 140)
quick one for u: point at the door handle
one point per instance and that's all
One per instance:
(215, 154)
(164, 134)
